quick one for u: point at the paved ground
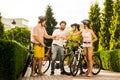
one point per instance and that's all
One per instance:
(103, 75)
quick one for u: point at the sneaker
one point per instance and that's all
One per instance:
(52, 72)
(62, 72)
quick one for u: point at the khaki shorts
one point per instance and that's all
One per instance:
(38, 51)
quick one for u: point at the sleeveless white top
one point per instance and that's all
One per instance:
(87, 38)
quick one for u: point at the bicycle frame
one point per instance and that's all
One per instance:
(80, 61)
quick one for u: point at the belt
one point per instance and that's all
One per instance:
(36, 44)
(87, 42)
(55, 44)
(74, 41)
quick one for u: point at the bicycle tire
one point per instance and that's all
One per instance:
(83, 64)
(97, 64)
(74, 66)
(66, 64)
(45, 64)
(26, 65)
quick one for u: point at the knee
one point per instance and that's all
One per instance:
(62, 57)
(34, 59)
(53, 58)
(89, 58)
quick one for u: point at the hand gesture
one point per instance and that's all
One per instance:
(55, 37)
(43, 45)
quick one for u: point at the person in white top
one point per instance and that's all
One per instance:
(57, 46)
(88, 38)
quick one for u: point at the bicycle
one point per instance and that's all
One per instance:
(79, 61)
(45, 62)
(29, 59)
(49, 55)
(28, 62)
(68, 57)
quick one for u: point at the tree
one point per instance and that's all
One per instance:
(115, 27)
(94, 16)
(50, 23)
(1, 27)
(21, 35)
(105, 24)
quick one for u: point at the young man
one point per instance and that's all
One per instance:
(38, 34)
(57, 46)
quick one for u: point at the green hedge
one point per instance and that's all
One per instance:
(110, 60)
(12, 58)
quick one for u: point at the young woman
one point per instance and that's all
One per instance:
(88, 38)
(75, 39)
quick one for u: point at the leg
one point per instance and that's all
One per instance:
(86, 55)
(35, 49)
(85, 51)
(40, 66)
(61, 56)
(33, 66)
(39, 54)
(90, 63)
(54, 54)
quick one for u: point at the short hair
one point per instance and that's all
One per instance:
(41, 18)
(63, 22)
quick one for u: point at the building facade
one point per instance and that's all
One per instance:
(21, 22)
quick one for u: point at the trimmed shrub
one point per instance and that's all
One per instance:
(110, 59)
(115, 60)
(12, 58)
(105, 57)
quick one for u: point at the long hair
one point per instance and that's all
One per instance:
(77, 26)
(86, 22)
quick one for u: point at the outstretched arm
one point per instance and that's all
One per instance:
(67, 36)
(74, 34)
(49, 36)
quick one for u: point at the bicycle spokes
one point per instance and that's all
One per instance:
(96, 64)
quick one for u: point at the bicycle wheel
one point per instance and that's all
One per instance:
(83, 64)
(66, 63)
(45, 64)
(96, 64)
(74, 66)
(27, 64)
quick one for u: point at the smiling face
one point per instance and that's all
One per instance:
(62, 26)
(73, 28)
(86, 26)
